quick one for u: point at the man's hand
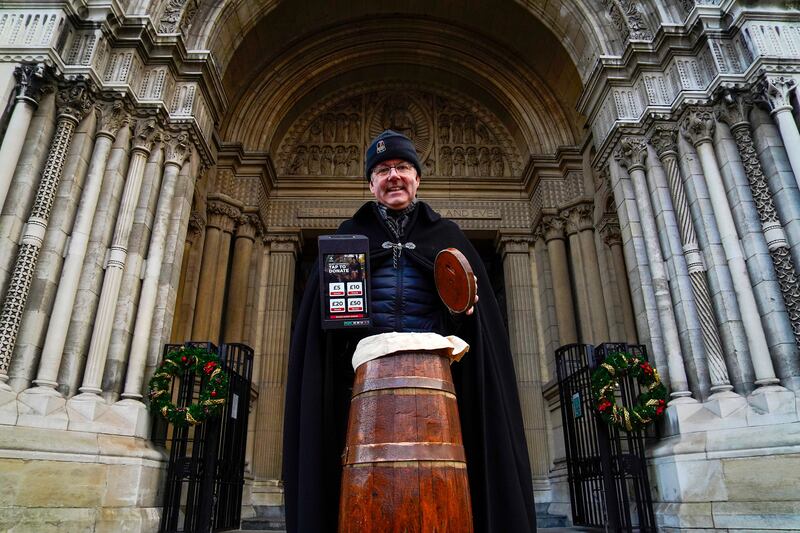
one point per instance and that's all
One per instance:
(472, 308)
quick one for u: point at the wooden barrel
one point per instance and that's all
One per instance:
(404, 466)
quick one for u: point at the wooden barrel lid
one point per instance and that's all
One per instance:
(455, 281)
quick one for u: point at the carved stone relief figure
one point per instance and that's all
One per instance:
(458, 161)
(354, 129)
(472, 161)
(341, 128)
(457, 129)
(313, 161)
(469, 129)
(340, 161)
(300, 164)
(353, 164)
(429, 167)
(315, 132)
(484, 161)
(329, 128)
(446, 161)
(326, 166)
(398, 117)
(498, 166)
(444, 129)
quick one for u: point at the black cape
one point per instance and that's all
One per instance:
(320, 377)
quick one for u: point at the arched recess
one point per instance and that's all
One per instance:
(410, 50)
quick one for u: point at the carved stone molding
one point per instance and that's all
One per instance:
(74, 101)
(629, 20)
(513, 243)
(111, 117)
(30, 82)
(698, 125)
(145, 133)
(665, 140)
(610, 231)
(632, 153)
(177, 149)
(453, 137)
(284, 242)
(177, 16)
(197, 224)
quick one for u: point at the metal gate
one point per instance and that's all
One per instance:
(607, 469)
(205, 475)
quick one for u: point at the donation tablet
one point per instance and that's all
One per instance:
(343, 268)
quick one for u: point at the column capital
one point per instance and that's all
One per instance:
(30, 82)
(578, 218)
(248, 226)
(74, 100)
(665, 140)
(776, 91)
(611, 233)
(553, 227)
(632, 153)
(177, 149)
(513, 242)
(698, 125)
(222, 215)
(145, 133)
(734, 110)
(284, 242)
(197, 223)
(111, 117)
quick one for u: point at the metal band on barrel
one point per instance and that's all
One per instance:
(403, 451)
(403, 382)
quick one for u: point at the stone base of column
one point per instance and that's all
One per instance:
(89, 412)
(42, 407)
(771, 405)
(79, 482)
(8, 405)
(262, 505)
(734, 479)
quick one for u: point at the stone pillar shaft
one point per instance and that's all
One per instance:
(101, 333)
(698, 127)
(29, 81)
(177, 152)
(522, 326)
(283, 256)
(185, 310)
(240, 277)
(557, 255)
(632, 155)
(613, 239)
(73, 104)
(777, 91)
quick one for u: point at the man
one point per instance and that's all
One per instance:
(404, 299)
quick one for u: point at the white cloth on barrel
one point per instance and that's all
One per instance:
(375, 346)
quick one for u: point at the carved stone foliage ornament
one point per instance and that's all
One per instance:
(177, 16)
(74, 100)
(629, 20)
(30, 81)
(632, 153)
(451, 138)
(698, 125)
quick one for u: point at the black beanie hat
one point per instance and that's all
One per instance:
(391, 145)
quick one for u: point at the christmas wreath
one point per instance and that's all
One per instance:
(212, 394)
(649, 405)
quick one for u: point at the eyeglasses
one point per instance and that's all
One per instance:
(404, 169)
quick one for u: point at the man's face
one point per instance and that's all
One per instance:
(397, 189)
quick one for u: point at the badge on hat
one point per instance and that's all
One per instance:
(381, 147)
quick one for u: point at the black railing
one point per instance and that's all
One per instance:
(606, 467)
(205, 474)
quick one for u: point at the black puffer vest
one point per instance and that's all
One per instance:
(404, 299)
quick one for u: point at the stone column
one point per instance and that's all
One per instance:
(734, 111)
(213, 271)
(665, 142)
(145, 134)
(195, 239)
(176, 151)
(240, 276)
(29, 89)
(697, 127)
(631, 155)
(43, 399)
(582, 216)
(557, 254)
(579, 282)
(284, 249)
(514, 249)
(777, 90)
(73, 103)
(612, 237)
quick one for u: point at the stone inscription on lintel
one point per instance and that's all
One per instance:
(454, 212)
